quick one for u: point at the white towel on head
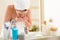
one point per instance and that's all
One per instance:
(21, 4)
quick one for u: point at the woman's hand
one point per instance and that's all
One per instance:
(21, 19)
(18, 19)
(25, 19)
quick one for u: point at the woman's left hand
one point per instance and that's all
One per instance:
(25, 19)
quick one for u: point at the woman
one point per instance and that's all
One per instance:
(19, 11)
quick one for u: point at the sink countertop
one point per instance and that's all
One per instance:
(38, 36)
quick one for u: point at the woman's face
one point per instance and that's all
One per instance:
(21, 13)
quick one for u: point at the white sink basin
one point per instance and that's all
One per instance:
(49, 38)
(39, 36)
(33, 35)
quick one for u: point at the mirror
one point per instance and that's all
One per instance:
(35, 12)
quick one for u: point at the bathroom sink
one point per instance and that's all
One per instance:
(33, 35)
(39, 36)
(48, 38)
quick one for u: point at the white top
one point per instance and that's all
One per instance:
(21, 4)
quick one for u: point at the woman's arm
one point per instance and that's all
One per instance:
(10, 13)
(29, 22)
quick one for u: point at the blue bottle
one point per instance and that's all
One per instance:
(14, 33)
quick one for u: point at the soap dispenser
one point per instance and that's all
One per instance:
(53, 28)
(44, 28)
(14, 30)
(14, 33)
(50, 24)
